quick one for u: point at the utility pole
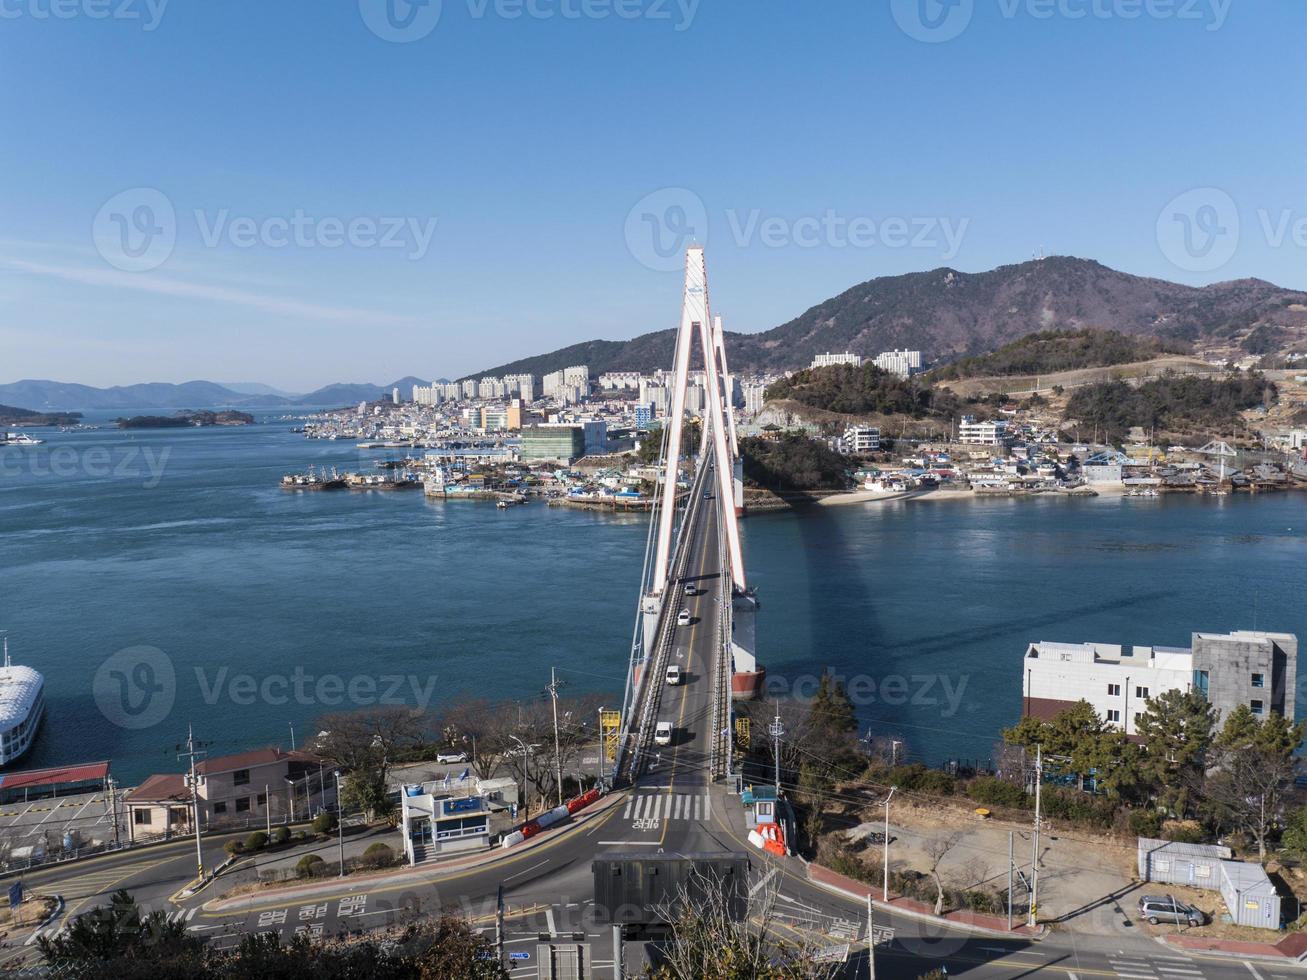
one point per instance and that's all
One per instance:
(267, 807)
(193, 783)
(885, 886)
(340, 825)
(1034, 854)
(619, 954)
(1011, 843)
(776, 730)
(292, 736)
(558, 754)
(113, 806)
(871, 941)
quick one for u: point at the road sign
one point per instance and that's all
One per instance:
(15, 894)
(519, 956)
(882, 935)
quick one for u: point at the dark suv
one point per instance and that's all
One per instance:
(1164, 908)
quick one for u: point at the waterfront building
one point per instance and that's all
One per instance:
(1257, 669)
(992, 433)
(234, 791)
(553, 442)
(859, 440)
(596, 437)
(830, 360)
(904, 363)
(493, 419)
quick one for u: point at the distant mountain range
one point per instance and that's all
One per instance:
(54, 396)
(946, 314)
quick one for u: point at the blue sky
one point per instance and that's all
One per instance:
(497, 181)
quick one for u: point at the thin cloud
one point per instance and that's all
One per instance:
(161, 286)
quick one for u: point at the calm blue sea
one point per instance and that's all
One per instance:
(162, 579)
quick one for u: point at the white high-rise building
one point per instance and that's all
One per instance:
(579, 376)
(754, 397)
(904, 363)
(469, 389)
(619, 381)
(830, 360)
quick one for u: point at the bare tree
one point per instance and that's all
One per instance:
(936, 850)
(364, 745)
(709, 942)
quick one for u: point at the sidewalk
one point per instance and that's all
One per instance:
(1293, 947)
(423, 874)
(990, 925)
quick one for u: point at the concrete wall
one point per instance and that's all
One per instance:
(1231, 661)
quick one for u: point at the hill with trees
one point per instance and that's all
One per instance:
(947, 313)
(1171, 403)
(865, 390)
(1051, 351)
(792, 462)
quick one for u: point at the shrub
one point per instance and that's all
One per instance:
(1078, 807)
(324, 823)
(379, 856)
(233, 847)
(1183, 831)
(280, 835)
(995, 792)
(310, 865)
(1145, 823)
(916, 778)
(257, 841)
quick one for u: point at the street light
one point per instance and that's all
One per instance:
(526, 799)
(340, 825)
(885, 888)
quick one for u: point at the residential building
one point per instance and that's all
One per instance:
(643, 416)
(904, 363)
(858, 440)
(469, 389)
(234, 790)
(830, 360)
(620, 381)
(754, 397)
(578, 376)
(1257, 669)
(992, 433)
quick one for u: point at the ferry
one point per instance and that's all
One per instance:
(20, 439)
(22, 704)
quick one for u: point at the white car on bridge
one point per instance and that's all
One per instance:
(683, 618)
(674, 675)
(663, 733)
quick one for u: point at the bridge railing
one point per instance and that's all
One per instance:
(649, 689)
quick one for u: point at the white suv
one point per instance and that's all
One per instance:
(449, 758)
(663, 733)
(673, 675)
(683, 618)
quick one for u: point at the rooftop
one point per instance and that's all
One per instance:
(19, 688)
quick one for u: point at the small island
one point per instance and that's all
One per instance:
(9, 415)
(185, 420)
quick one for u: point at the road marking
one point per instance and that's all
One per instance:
(629, 843)
(762, 882)
(549, 920)
(528, 870)
(1252, 969)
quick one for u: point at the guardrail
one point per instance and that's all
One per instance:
(649, 693)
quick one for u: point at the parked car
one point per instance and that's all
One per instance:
(683, 618)
(449, 758)
(674, 675)
(663, 733)
(1156, 909)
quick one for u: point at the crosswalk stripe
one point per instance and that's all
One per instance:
(626, 814)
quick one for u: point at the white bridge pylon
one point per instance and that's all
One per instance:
(697, 322)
